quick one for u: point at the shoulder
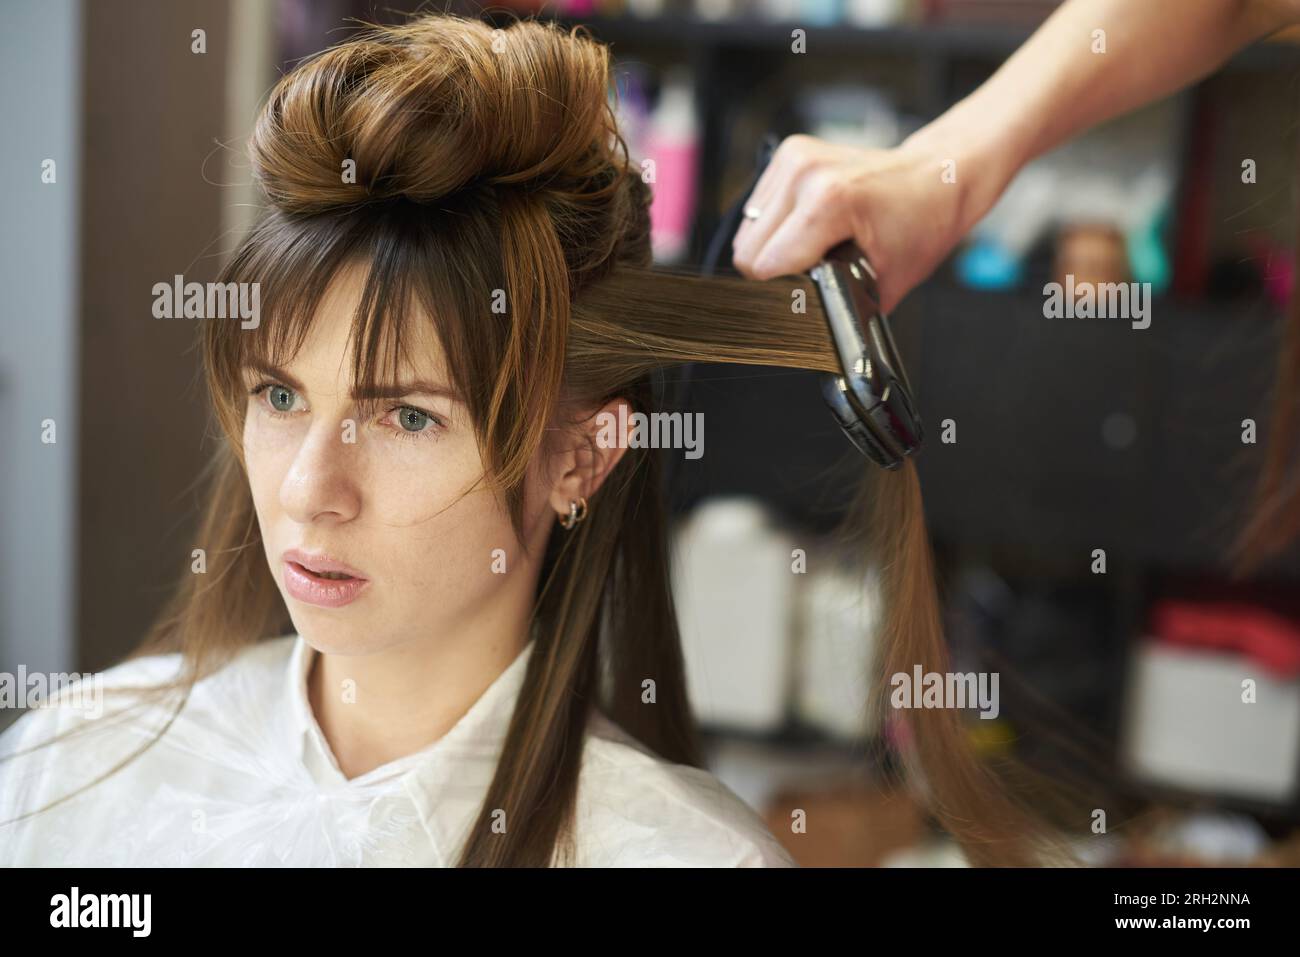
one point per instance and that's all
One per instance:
(70, 700)
(76, 729)
(636, 809)
(255, 674)
(90, 697)
(89, 722)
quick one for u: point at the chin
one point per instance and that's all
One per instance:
(338, 631)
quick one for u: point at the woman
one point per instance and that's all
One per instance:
(482, 665)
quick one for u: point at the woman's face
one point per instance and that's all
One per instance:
(339, 492)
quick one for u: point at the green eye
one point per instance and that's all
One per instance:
(413, 420)
(281, 398)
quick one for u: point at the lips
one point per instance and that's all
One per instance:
(321, 580)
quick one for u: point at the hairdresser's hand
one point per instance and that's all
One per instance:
(899, 205)
(906, 208)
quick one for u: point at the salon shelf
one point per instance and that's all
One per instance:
(627, 33)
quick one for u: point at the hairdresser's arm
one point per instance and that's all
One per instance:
(907, 207)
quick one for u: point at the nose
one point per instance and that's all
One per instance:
(321, 484)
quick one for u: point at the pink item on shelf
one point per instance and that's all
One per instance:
(672, 144)
(674, 195)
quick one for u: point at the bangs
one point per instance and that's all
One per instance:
(412, 279)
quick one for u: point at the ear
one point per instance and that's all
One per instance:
(595, 446)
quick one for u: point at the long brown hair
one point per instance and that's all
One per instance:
(489, 168)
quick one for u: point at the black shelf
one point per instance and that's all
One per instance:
(985, 41)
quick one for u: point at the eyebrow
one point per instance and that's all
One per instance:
(392, 390)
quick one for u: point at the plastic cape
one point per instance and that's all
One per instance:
(225, 785)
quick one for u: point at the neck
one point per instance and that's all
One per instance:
(376, 708)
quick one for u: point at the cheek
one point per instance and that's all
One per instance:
(453, 552)
(412, 484)
(266, 457)
(451, 559)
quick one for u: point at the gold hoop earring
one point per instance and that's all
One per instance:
(577, 512)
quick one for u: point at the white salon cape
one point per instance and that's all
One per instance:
(244, 777)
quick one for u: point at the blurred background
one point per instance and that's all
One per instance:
(123, 166)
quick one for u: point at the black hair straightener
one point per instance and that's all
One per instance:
(871, 397)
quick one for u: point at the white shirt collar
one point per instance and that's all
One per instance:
(447, 780)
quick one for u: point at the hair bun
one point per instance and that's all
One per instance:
(429, 107)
